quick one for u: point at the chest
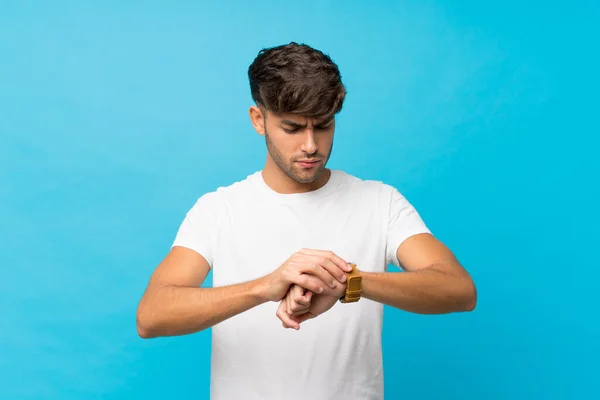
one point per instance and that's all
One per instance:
(256, 239)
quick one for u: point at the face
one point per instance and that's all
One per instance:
(298, 145)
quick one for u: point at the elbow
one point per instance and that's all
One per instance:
(144, 332)
(469, 296)
(145, 329)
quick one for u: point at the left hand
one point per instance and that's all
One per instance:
(300, 305)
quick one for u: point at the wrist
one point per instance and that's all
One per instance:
(260, 289)
(353, 289)
(340, 289)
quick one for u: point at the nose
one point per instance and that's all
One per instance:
(309, 145)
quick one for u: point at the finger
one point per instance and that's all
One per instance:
(283, 316)
(326, 263)
(298, 310)
(295, 308)
(296, 293)
(299, 304)
(325, 269)
(309, 282)
(301, 298)
(288, 304)
(308, 295)
(337, 260)
(333, 269)
(280, 310)
(286, 321)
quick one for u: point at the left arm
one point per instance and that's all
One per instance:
(433, 281)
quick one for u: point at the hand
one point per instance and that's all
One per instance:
(318, 271)
(297, 301)
(300, 305)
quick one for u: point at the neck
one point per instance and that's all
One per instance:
(281, 183)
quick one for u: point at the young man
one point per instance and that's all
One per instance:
(283, 244)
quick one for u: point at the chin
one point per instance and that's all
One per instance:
(303, 177)
(307, 180)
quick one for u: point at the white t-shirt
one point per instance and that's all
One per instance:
(246, 231)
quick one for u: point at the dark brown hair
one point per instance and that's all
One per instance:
(296, 78)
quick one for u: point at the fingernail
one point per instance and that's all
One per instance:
(332, 284)
(320, 290)
(343, 278)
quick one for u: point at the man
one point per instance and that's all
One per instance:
(283, 244)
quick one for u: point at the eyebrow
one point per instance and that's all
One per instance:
(297, 125)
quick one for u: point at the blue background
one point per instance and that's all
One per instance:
(116, 116)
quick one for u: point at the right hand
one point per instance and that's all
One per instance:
(314, 270)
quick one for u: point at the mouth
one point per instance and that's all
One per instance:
(309, 163)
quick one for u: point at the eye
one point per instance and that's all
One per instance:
(292, 130)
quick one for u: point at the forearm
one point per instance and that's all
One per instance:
(178, 310)
(427, 291)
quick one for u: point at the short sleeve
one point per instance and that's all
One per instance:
(403, 222)
(199, 227)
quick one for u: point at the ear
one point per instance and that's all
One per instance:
(258, 119)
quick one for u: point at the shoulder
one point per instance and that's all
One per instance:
(218, 198)
(386, 197)
(367, 186)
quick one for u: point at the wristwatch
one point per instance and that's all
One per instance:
(353, 286)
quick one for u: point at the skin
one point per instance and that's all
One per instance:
(434, 282)
(175, 304)
(311, 281)
(291, 138)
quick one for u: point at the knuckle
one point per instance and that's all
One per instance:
(309, 283)
(304, 281)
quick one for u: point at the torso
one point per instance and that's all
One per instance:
(338, 354)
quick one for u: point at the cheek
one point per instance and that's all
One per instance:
(285, 144)
(325, 142)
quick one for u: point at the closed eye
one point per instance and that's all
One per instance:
(291, 127)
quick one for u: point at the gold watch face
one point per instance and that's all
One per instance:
(354, 284)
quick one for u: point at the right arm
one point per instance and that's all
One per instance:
(174, 304)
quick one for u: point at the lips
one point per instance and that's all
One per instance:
(308, 163)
